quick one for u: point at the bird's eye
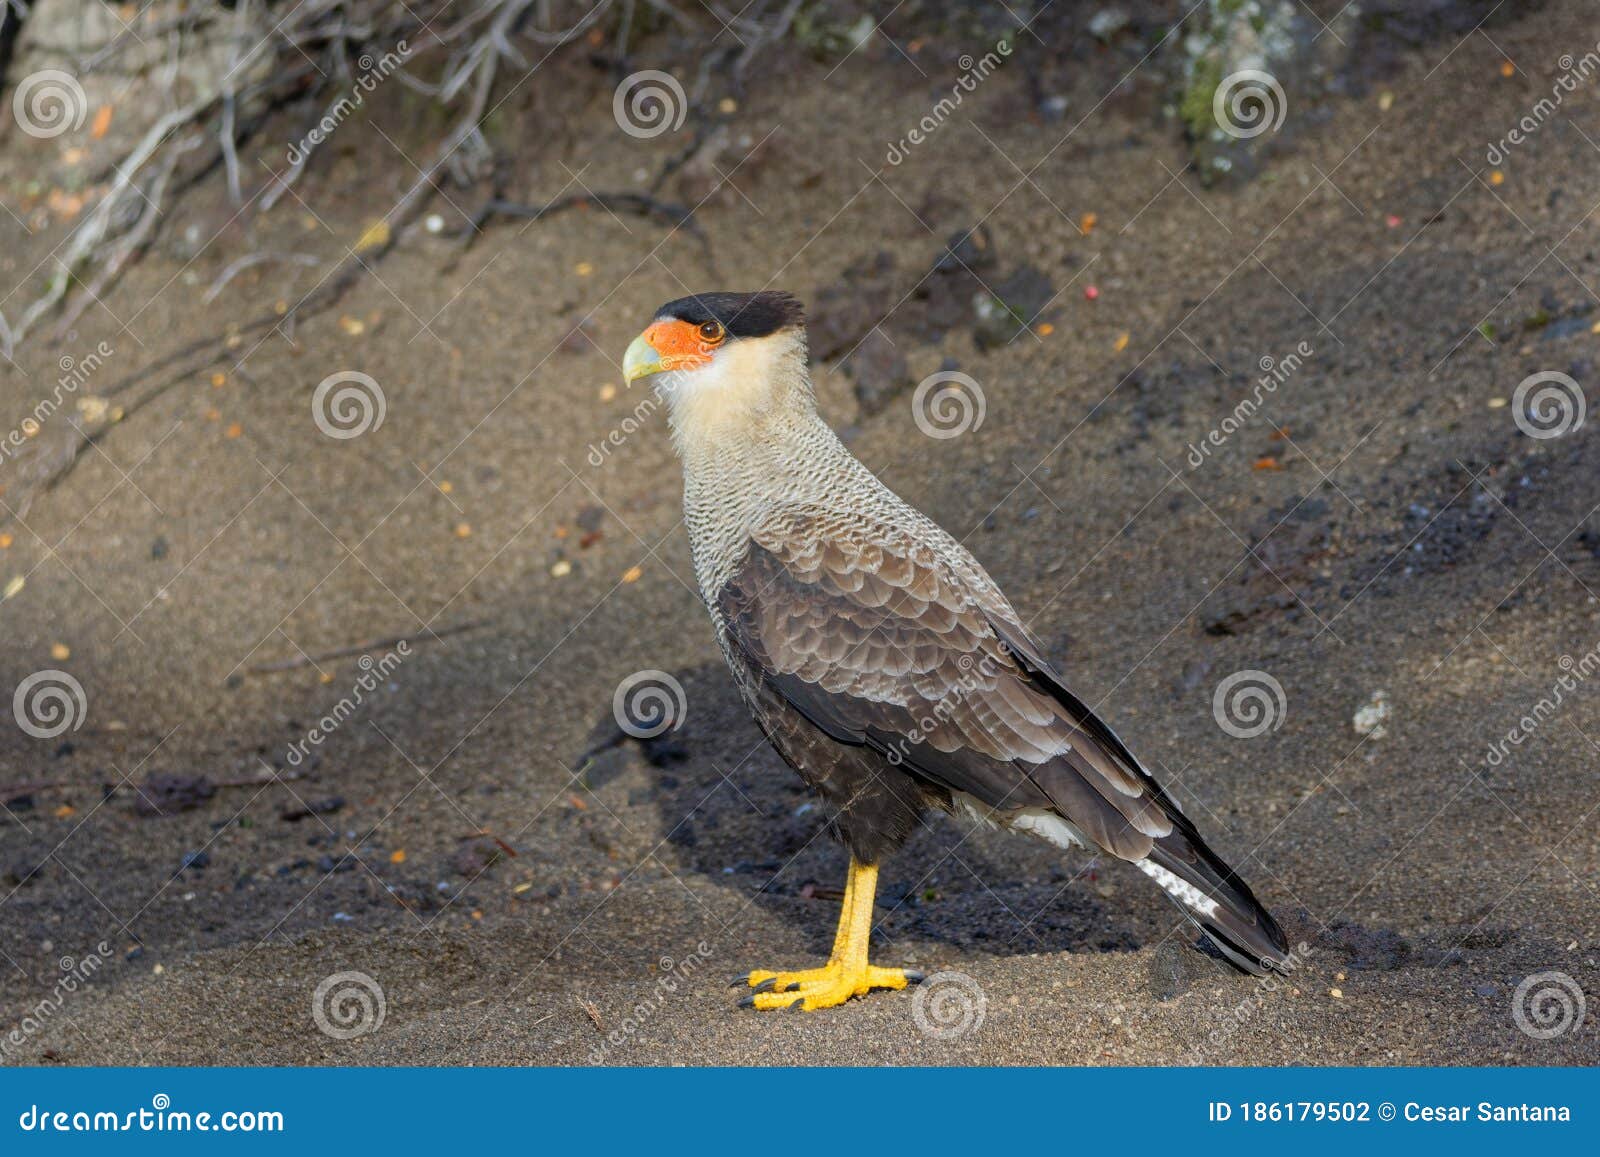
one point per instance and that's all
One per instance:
(711, 331)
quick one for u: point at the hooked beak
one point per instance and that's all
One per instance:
(641, 360)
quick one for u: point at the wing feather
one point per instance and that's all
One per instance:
(877, 639)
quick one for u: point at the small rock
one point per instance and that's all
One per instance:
(476, 856)
(316, 807)
(168, 793)
(879, 371)
(1372, 718)
(1107, 22)
(967, 251)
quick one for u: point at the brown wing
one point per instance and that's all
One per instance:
(878, 641)
(886, 642)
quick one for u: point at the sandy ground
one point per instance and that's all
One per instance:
(1381, 525)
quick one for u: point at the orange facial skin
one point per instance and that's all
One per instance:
(681, 345)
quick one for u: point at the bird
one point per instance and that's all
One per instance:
(880, 659)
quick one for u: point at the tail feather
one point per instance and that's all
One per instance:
(1221, 904)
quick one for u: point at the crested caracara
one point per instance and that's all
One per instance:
(880, 659)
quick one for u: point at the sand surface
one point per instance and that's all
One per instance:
(1380, 525)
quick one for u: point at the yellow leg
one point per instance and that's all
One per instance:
(847, 972)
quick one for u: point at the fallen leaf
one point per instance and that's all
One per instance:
(398, 856)
(102, 122)
(1267, 463)
(374, 236)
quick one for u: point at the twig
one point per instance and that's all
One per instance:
(236, 267)
(638, 204)
(360, 649)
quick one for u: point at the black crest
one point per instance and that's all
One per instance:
(741, 314)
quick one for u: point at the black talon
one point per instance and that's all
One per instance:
(766, 985)
(747, 1002)
(796, 1006)
(912, 976)
(738, 980)
(791, 986)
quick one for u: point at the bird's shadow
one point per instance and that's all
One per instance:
(736, 813)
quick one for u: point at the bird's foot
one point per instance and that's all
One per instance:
(814, 988)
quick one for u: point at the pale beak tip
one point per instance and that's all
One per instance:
(641, 360)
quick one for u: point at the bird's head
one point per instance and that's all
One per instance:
(723, 352)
